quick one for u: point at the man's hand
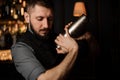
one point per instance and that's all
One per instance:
(66, 43)
(85, 36)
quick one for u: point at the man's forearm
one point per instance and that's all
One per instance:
(59, 72)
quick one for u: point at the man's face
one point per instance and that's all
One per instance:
(40, 19)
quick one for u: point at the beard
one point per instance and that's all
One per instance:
(37, 35)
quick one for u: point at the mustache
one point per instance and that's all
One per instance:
(44, 29)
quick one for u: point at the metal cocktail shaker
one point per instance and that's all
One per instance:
(77, 28)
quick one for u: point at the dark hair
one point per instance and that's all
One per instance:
(44, 3)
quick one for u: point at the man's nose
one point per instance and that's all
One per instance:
(45, 23)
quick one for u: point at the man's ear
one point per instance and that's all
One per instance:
(26, 16)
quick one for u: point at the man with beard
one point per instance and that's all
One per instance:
(35, 54)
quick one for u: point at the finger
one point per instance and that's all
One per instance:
(61, 50)
(68, 25)
(58, 50)
(57, 42)
(60, 37)
(81, 38)
(67, 32)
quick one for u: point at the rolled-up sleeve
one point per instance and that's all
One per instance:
(25, 61)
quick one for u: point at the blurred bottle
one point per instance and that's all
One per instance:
(7, 8)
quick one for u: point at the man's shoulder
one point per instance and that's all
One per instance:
(20, 45)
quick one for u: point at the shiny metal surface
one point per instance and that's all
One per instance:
(77, 28)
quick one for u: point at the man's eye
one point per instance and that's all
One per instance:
(50, 19)
(40, 19)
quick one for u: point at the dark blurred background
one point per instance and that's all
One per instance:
(103, 23)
